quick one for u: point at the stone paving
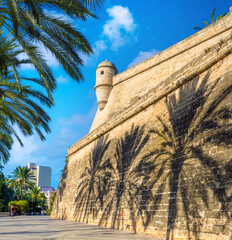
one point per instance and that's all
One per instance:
(44, 227)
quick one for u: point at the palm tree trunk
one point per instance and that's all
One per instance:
(20, 193)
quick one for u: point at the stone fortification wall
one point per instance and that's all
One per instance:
(162, 164)
(136, 81)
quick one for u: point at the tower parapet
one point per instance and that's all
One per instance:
(104, 79)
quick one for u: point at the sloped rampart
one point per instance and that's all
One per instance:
(162, 164)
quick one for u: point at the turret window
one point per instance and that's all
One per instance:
(102, 72)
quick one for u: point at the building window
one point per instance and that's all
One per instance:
(102, 72)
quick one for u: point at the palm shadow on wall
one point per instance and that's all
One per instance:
(127, 181)
(93, 182)
(60, 193)
(63, 182)
(124, 181)
(196, 120)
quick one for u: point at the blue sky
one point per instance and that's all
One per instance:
(126, 33)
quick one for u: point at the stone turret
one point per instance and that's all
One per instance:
(104, 79)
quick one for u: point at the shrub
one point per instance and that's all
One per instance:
(1, 205)
(21, 206)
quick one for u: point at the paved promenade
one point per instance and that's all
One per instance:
(44, 227)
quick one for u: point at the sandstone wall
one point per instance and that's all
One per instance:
(162, 165)
(136, 81)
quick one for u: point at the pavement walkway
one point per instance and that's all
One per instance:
(44, 227)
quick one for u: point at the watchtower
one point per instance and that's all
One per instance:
(104, 79)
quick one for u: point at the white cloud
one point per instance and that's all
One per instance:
(142, 56)
(24, 56)
(23, 155)
(117, 31)
(62, 79)
(99, 46)
(120, 28)
(76, 119)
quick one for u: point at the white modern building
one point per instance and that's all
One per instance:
(49, 193)
(42, 175)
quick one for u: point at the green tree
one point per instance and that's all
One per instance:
(37, 195)
(49, 210)
(6, 193)
(25, 26)
(19, 104)
(21, 206)
(33, 26)
(21, 179)
(212, 20)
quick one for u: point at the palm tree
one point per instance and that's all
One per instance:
(6, 193)
(19, 104)
(21, 109)
(32, 25)
(21, 179)
(212, 20)
(6, 139)
(37, 196)
(24, 26)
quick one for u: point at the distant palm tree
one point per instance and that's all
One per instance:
(1, 173)
(21, 179)
(212, 20)
(37, 195)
